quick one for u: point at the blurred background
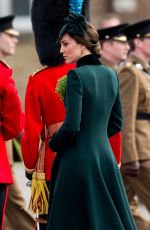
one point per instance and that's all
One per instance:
(25, 60)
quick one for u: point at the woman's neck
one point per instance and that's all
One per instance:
(85, 53)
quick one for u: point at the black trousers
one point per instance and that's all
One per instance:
(3, 198)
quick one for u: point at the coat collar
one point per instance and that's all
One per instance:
(88, 60)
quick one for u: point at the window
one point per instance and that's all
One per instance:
(21, 9)
(123, 6)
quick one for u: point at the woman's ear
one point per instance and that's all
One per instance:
(84, 50)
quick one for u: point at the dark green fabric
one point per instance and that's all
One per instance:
(87, 192)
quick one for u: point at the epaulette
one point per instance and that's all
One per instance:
(137, 65)
(123, 65)
(5, 64)
(132, 66)
(38, 71)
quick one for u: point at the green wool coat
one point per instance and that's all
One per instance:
(87, 191)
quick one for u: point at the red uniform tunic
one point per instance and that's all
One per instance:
(42, 107)
(11, 116)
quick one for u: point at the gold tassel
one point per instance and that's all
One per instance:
(39, 194)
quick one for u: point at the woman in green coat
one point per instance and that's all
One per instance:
(87, 192)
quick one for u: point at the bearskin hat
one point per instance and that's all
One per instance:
(47, 17)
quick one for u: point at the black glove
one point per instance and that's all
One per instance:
(132, 168)
(28, 175)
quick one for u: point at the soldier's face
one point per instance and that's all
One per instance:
(116, 50)
(121, 49)
(71, 50)
(7, 44)
(146, 47)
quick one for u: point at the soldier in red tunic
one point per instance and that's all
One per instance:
(11, 117)
(42, 105)
(15, 199)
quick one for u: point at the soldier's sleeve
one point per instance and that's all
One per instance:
(115, 126)
(12, 117)
(116, 145)
(129, 85)
(116, 116)
(33, 126)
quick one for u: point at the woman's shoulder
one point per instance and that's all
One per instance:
(110, 72)
(82, 70)
(108, 69)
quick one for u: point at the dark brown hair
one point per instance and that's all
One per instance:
(90, 40)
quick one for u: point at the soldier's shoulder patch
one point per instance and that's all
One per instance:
(5, 64)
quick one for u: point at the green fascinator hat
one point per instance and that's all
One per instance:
(75, 24)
